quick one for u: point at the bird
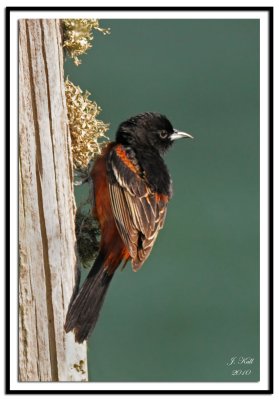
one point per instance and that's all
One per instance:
(131, 191)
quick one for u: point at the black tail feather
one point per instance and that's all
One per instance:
(84, 310)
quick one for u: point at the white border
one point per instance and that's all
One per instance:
(263, 384)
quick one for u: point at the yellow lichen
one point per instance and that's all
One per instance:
(86, 130)
(80, 367)
(78, 36)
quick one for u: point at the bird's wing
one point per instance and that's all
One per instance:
(139, 213)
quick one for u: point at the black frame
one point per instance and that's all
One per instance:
(8, 10)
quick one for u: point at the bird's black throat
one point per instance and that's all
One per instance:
(154, 170)
(148, 135)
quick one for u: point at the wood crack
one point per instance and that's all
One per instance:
(50, 118)
(47, 269)
(47, 256)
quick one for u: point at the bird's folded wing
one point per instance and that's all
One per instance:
(139, 213)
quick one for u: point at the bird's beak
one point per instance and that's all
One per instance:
(180, 135)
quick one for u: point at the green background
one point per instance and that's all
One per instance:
(195, 302)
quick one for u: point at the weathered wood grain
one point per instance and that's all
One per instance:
(46, 211)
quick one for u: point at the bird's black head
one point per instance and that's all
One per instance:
(149, 129)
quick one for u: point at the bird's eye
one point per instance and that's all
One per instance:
(163, 134)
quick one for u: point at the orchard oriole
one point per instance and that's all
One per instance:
(131, 191)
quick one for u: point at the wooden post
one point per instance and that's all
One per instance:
(46, 211)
